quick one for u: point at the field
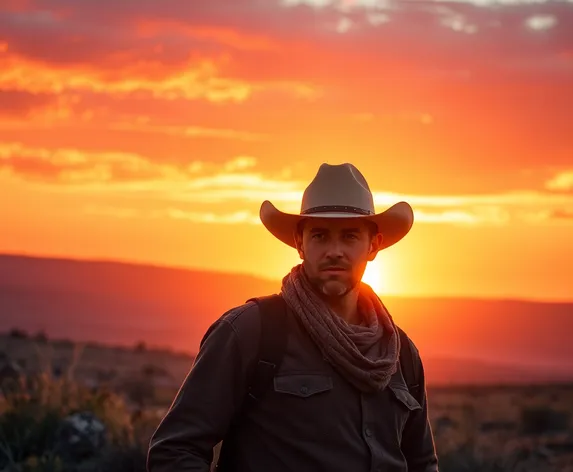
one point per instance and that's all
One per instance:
(122, 392)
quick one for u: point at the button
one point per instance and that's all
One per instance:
(368, 432)
(304, 389)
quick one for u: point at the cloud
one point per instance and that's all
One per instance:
(74, 170)
(463, 210)
(252, 218)
(562, 214)
(226, 36)
(172, 48)
(240, 163)
(240, 183)
(482, 74)
(71, 166)
(22, 103)
(240, 217)
(561, 182)
(187, 131)
(437, 85)
(67, 113)
(199, 81)
(462, 216)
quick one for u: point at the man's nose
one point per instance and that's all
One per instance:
(334, 249)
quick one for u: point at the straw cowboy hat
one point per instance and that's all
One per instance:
(339, 191)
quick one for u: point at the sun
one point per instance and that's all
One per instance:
(373, 276)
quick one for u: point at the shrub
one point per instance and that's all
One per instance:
(541, 420)
(466, 459)
(41, 337)
(18, 333)
(33, 419)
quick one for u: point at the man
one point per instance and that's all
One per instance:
(339, 400)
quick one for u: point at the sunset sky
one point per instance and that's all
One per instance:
(152, 131)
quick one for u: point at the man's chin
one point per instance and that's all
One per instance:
(334, 289)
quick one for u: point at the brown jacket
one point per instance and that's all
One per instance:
(311, 420)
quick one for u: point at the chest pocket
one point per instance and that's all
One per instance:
(404, 397)
(404, 404)
(303, 385)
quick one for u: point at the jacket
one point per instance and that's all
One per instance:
(311, 419)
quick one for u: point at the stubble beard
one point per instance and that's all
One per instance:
(334, 288)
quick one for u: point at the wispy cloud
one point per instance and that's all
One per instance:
(291, 69)
(71, 166)
(73, 170)
(288, 78)
(143, 126)
(199, 80)
(241, 185)
(471, 217)
(239, 217)
(566, 215)
(240, 163)
(22, 103)
(206, 50)
(224, 35)
(561, 182)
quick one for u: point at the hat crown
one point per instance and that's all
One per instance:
(340, 188)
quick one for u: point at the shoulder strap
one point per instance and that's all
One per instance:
(407, 361)
(272, 344)
(407, 364)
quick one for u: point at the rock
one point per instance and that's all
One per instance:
(10, 375)
(497, 426)
(560, 448)
(443, 423)
(81, 436)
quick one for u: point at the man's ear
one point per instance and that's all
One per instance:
(298, 244)
(375, 246)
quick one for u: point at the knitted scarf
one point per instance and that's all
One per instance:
(366, 355)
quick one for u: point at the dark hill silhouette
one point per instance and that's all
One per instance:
(462, 340)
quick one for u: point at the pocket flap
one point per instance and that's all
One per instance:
(303, 385)
(405, 397)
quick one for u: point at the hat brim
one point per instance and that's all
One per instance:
(394, 223)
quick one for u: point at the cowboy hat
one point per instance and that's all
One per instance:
(339, 191)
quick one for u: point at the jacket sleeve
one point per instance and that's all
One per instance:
(204, 406)
(418, 443)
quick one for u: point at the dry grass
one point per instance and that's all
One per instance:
(477, 429)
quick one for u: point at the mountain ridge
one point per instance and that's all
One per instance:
(122, 303)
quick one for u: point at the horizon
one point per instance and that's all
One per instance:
(122, 303)
(143, 263)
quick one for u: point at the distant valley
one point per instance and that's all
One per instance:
(462, 340)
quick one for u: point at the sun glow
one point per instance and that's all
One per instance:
(373, 276)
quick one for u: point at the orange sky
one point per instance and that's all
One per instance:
(152, 132)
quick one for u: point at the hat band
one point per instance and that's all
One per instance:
(337, 208)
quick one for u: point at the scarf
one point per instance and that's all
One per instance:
(365, 355)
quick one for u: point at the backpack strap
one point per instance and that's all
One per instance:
(272, 343)
(407, 364)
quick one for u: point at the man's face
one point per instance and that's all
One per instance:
(335, 253)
